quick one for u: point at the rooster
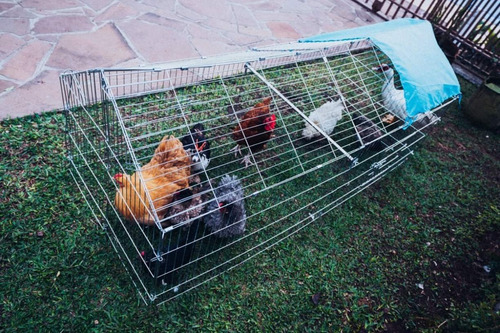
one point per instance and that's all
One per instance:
(325, 117)
(394, 99)
(198, 147)
(255, 129)
(227, 218)
(167, 172)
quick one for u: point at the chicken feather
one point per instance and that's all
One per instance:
(325, 117)
(255, 128)
(167, 172)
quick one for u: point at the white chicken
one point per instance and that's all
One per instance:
(325, 117)
(394, 99)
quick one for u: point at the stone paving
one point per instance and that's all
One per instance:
(39, 39)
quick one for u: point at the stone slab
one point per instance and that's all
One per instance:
(168, 6)
(283, 30)
(49, 38)
(343, 13)
(6, 86)
(216, 9)
(23, 64)
(365, 16)
(97, 5)
(265, 32)
(41, 94)
(17, 12)
(51, 4)
(62, 24)
(5, 6)
(252, 2)
(295, 6)
(188, 14)
(156, 43)
(9, 44)
(197, 31)
(117, 12)
(102, 48)
(206, 47)
(244, 17)
(163, 21)
(270, 6)
(240, 39)
(18, 26)
(267, 16)
(219, 25)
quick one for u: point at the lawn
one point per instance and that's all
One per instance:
(409, 253)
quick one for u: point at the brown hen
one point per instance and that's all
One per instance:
(166, 173)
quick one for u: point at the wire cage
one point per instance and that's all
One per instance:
(189, 209)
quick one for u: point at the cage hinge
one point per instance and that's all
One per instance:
(379, 164)
(315, 216)
(354, 162)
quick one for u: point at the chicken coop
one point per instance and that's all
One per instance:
(195, 167)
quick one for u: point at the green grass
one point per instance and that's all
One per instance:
(434, 221)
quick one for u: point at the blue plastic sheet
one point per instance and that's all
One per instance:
(426, 75)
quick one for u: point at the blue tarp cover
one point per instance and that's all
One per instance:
(426, 75)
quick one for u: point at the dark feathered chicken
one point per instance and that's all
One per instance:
(368, 131)
(198, 148)
(173, 256)
(255, 129)
(227, 216)
(187, 205)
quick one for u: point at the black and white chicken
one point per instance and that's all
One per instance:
(198, 148)
(226, 216)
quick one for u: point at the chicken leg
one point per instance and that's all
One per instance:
(236, 149)
(247, 161)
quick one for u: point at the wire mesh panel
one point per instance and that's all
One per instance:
(193, 170)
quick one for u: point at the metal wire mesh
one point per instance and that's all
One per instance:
(117, 120)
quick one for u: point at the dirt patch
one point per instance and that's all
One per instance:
(456, 282)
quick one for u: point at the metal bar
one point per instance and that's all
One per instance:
(296, 109)
(312, 102)
(301, 224)
(416, 12)
(150, 209)
(481, 16)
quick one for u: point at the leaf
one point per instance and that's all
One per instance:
(315, 298)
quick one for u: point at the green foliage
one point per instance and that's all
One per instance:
(406, 254)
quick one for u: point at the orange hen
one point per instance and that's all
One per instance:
(255, 128)
(167, 172)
